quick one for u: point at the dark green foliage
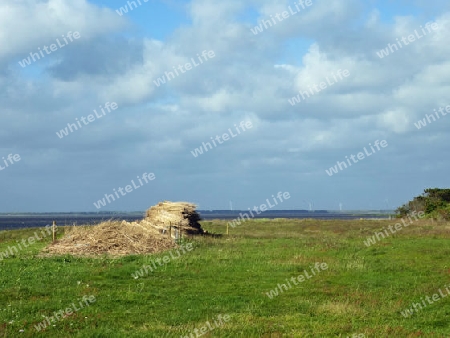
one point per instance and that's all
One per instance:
(434, 202)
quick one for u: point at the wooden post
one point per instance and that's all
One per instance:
(228, 232)
(54, 230)
(180, 228)
(170, 230)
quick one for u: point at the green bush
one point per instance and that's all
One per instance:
(434, 202)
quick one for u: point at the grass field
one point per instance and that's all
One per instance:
(361, 293)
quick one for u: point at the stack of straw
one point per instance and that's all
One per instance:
(118, 238)
(114, 238)
(179, 215)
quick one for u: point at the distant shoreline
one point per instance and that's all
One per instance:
(10, 221)
(206, 212)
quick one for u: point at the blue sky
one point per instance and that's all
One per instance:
(153, 19)
(251, 78)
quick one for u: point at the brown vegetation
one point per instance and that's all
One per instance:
(155, 233)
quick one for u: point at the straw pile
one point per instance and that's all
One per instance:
(118, 238)
(178, 215)
(115, 238)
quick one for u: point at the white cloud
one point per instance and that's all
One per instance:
(27, 25)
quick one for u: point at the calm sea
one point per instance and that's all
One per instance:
(15, 221)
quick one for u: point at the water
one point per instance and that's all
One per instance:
(15, 221)
(9, 222)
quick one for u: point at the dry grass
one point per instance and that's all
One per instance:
(114, 238)
(181, 215)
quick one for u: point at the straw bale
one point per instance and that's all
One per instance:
(181, 215)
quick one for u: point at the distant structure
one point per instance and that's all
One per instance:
(310, 205)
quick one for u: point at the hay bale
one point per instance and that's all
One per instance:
(179, 215)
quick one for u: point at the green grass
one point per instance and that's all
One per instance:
(362, 291)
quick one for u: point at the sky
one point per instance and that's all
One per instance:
(194, 101)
